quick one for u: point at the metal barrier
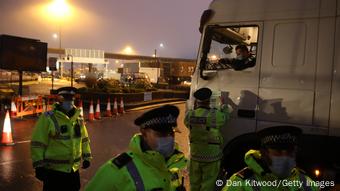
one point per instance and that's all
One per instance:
(29, 105)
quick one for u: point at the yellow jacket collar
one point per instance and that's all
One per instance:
(152, 158)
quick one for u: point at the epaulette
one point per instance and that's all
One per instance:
(48, 113)
(121, 160)
(245, 173)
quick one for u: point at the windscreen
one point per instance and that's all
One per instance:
(229, 47)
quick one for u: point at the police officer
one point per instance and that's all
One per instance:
(275, 161)
(59, 142)
(206, 141)
(152, 162)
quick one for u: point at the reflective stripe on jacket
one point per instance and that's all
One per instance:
(55, 143)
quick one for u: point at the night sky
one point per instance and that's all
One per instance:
(111, 25)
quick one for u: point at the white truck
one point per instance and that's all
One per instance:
(153, 73)
(295, 80)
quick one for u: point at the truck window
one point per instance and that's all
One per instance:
(229, 47)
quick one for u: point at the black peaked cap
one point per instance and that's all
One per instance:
(162, 119)
(203, 94)
(67, 90)
(280, 137)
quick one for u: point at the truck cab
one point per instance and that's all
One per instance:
(293, 79)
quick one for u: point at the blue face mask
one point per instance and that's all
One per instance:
(282, 166)
(165, 146)
(67, 105)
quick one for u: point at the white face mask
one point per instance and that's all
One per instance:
(282, 165)
(166, 146)
(67, 105)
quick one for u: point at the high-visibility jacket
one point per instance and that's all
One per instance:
(60, 142)
(137, 170)
(176, 165)
(248, 178)
(206, 140)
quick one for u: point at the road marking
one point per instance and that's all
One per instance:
(11, 162)
(155, 105)
(19, 142)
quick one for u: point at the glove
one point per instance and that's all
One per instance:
(86, 164)
(40, 173)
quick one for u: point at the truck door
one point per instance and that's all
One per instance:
(335, 106)
(230, 61)
(288, 71)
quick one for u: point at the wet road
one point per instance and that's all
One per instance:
(109, 137)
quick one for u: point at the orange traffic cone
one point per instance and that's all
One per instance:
(108, 108)
(91, 113)
(121, 106)
(115, 107)
(13, 109)
(81, 108)
(7, 132)
(97, 114)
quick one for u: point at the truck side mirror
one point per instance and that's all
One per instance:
(206, 16)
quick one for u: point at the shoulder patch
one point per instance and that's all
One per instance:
(121, 160)
(48, 113)
(245, 173)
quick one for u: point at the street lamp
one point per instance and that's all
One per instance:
(161, 45)
(159, 64)
(58, 36)
(128, 50)
(55, 36)
(59, 9)
(68, 58)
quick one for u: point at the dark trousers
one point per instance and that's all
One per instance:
(55, 180)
